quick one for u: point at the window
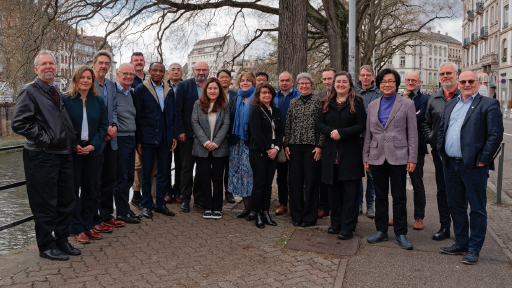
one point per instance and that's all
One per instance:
(505, 17)
(435, 51)
(504, 54)
(402, 61)
(429, 77)
(492, 15)
(429, 50)
(440, 62)
(402, 77)
(444, 51)
(429, 62)
(435, 63)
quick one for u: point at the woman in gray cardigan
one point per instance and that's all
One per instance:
(210, 122)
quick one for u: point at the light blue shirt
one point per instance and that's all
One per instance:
(159, 93)
(199, 90)
(122, 89)
(103, 89)
(452, 143)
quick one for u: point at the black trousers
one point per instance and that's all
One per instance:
(442, 200)
(282, 182)
(382, 176)
(174, 189)
(344, 203)
(323, 201)
(50, 195)
(211, 169)
(420, 199)
(125, 173)
(106, 184)
(85, 176)
(189, 183)
(303, 193)
(263, 170)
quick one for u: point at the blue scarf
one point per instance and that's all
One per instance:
(241, 123)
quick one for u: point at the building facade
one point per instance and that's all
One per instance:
(217, 52)
(504, 84)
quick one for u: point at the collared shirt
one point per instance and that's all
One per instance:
(159, 93)
(103, 89)
(122, 89)
(413, 93)
(199, 90)
(452, 143)
(449, 95)
(137, 81)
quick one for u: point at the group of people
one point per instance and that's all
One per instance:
(85, 149)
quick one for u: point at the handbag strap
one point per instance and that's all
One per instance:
(269, 119)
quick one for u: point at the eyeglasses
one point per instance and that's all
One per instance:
(127, 74)
(101, 63)
(176, 69)
(201, 70)
(411, 80)
(445, 73)
(387, 82)
(463, 82)
(366, 75)
(304, 84)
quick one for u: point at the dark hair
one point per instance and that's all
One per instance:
(225, 71)
(136, 54)
(351, 93)
(153, 63)
(262, 73)
(387, 71)
(256, 100)
(204, 101)
(329, 69)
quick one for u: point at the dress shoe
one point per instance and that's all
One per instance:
(178, 199)
(250, 217)
(229, 197)
(134, 215)
(54, 254)
(69, 249)
(93, 235)
(164, 210)
(267, 219)
(137, 203)
(470, 258)
(128, 219)
(185, 207)
(442, 234)
(102, 228)
(243, 214)
(114, 223)
(402, 241)
(377, 237)
(453, 250)
(169, 199)
(304, 225)
(418, 224)
(370, 212)
(259, 221)
(82, 238)
(322, 213)
(345, 235)
(296, 224)
(146, 212)
(390, 222)
(281, 210)
(332, 230)
(199, 205)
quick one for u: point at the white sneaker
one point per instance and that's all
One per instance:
(207, 214)
(216, 215)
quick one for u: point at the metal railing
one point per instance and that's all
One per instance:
(500, 154)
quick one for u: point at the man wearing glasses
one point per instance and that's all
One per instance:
(470, 133)
(448, 73)
(412, 91)
(187, 94)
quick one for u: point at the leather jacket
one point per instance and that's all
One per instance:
(45, 125)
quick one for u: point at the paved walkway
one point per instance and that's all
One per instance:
(189, 251)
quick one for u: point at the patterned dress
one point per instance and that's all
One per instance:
(240, 172)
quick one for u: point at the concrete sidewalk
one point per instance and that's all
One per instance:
(189, 251)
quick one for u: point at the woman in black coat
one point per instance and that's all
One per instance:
(341, 121)
(265, 141)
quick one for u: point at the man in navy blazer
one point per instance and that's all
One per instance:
(412, 91)
(470, 133)
(188, 92)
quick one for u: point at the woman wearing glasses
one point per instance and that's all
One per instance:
(390, 151)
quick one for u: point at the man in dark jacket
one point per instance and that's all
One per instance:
(41, 117)
(157, 136)
(435, 107)
(369, 92)
(412, 91)
(188, 93)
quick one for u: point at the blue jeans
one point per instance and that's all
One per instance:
(370, 190)
(463, 186)
(124, 173)
(162, 165)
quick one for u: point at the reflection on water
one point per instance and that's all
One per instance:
(14, 204)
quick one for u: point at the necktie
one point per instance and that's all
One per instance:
(55, 94)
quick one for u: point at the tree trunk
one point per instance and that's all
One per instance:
(293, 36)
(333, 35)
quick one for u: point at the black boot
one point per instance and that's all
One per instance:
(267, 219)
(259, 221)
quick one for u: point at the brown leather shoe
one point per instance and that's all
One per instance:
(93, 234)
(102, 228)
(178, 199)
(114, 223)
(168, 199)
(82, 238)
(322, 214)
(281, 210)
(418, 224)
(390, 223)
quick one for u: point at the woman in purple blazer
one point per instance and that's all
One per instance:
(390, 151)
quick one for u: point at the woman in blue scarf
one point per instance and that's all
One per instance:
(240, 172)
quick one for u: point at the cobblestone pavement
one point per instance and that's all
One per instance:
(189, 251)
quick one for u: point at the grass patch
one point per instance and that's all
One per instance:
(493, 194)
(11, 141)
(284, 237)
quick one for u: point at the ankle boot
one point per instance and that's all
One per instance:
(259, 221)
(267, 219)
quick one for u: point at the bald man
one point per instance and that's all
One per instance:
(470, 133)
(412, 91)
